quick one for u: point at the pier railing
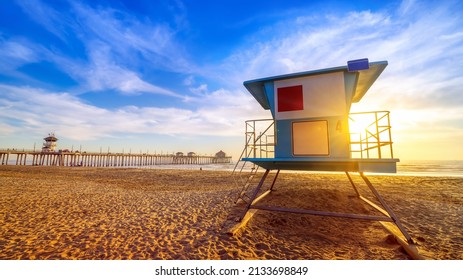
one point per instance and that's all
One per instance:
(24, 157)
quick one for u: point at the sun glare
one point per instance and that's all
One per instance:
(359, 123)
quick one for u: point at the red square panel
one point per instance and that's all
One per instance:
(290, 98)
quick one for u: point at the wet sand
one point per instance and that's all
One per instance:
(106, 213)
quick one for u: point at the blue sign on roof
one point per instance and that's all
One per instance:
(358, 64)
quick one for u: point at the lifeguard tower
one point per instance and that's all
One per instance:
(49, 145)
(312, 129)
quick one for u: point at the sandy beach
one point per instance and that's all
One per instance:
(109, 213)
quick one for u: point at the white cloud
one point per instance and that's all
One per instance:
(118, 46)
(188, 81)
(406, 6)
(101, 73)
(200, 89)
(39, 111)
(17, 51)
(130, 38)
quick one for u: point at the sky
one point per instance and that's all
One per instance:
(167, 76)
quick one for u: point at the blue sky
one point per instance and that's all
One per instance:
(167, 75)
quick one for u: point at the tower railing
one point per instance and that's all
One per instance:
(260, 143)
(370, 135)
(260, 138)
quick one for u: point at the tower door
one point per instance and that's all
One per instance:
(310, 138)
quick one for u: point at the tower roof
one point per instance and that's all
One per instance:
(50, 137)
(363, 81)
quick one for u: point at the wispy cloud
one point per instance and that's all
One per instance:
(38, 111)
(124, 33)
(51, 19)
(100, 72)
(132, 40)
(117, 46)
(15, 51)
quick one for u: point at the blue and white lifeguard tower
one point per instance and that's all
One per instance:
(312, 129)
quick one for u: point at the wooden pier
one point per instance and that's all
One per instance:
(33, 158)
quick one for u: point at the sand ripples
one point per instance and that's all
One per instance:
(87, 213)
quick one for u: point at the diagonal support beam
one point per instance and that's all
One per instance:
(369, 202)
(254, 195)
(274, 180)
(387, 209)
(352, 183)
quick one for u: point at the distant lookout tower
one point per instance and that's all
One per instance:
(50, 143)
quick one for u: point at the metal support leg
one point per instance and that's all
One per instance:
(352, 183)
(388, 209)
(274, 180)
(256, 191)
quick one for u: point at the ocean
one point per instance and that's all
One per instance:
(430, 167)
(404, 167)
(453, 168)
